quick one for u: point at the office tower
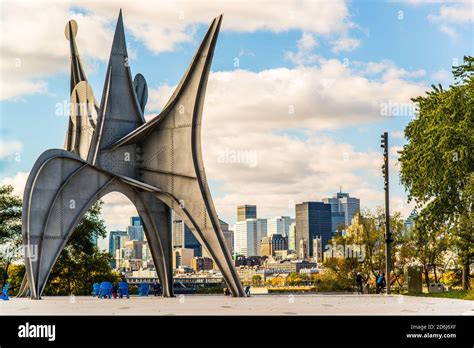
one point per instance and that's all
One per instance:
(292, 237)
(279, 225)
(183, 237)
(114, 241)
(248, 235)
(343, 208)
(312, 219)
(228, 235)
(245, 212)
(135, 230)
(272, 243)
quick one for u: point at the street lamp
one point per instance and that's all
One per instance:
(388, 235)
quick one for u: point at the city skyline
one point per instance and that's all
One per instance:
(304, 140)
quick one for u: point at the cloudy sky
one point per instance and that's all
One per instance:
(298, 96)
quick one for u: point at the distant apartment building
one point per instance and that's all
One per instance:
(182, 257)
(135, 247)
(343, 208)
(248, 234)
(245, 212)
(272, 243)
(312, 219)
(289, 266)
(202, 264)
(318, 249)
(146, 253)
(279, 225)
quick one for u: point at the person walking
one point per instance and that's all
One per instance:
(381, 282)
(359, 282)
(156, 288)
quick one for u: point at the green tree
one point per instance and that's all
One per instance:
(10, 229)
(437, 163)
(363, 246)
(257, 280)
(81, 263)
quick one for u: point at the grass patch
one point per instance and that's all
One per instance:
(455, 294)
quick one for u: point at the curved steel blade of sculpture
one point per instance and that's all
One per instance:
(83, 106)
(158, 165)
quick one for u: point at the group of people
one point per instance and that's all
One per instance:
(362, 283)
(109, 290)
(246, 289)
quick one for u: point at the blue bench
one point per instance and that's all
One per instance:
(4, 293)
(144, 289)
(95, 289)
(105, 290)
(123, 289)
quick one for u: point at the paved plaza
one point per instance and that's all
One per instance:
(328, 304)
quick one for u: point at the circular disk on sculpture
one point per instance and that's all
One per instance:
(71, 26)
(82, 96)
(141, 88)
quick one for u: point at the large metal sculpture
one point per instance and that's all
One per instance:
(157, 164)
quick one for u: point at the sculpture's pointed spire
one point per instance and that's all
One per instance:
(119, 45)
(190, 90)
(120, 112)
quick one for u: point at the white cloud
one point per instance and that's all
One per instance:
(18, 181)
(9, 148)
(304, 55)
(245, 112)
(117, 211)
(327, 96)
(398, 134)
(33, 44)
(442, 76)
(453, 14)
(345, 44)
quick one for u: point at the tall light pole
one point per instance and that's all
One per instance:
(388, 234)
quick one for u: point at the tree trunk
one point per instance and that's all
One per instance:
(465, 276)
(427, 278)
(5, 275)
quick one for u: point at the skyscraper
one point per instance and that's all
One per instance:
(245, 212)
(135, 230)
(183, 237)
(292, 237)
(248, 235)
(114, 241)
(228, 235)
(343, 208)
(312, 219)
(279, 225)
